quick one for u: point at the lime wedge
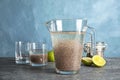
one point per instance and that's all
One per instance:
(87, 61)
(98, 61)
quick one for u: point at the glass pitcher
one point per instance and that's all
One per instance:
(67, 40)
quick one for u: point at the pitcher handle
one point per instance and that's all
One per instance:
(93, 43)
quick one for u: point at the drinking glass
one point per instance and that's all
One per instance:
(38, 54)
(21, 52)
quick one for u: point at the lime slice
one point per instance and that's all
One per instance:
(98, 61)
(87, 61)
(51, 56)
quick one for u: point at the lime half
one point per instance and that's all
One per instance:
(51, 56)
(98, 61)
(87, 61)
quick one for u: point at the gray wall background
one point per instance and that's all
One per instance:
(24, 20)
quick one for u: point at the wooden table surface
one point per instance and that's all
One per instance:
(11, 71)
